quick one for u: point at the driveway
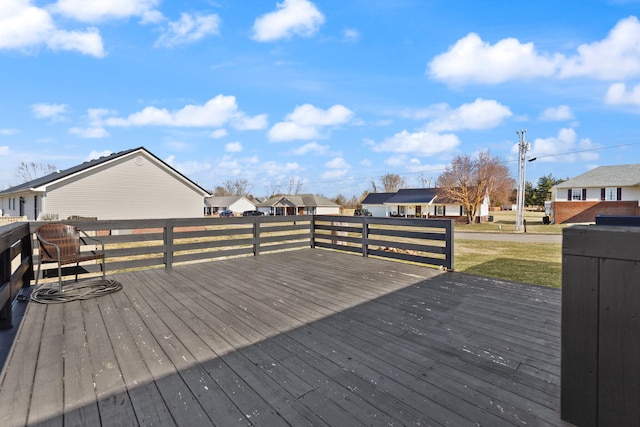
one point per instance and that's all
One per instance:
(510, 237)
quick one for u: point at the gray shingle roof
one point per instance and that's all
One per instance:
(606, 176)
(376, 198)
(412, 195)
(298, 200)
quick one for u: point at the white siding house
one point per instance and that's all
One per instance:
(132, 184)
(418, 202)
(236, 204)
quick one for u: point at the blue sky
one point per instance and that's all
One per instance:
(332, 93)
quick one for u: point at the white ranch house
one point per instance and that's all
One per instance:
(236, 204)
(418, 203)
(298, 204)
(132, 184)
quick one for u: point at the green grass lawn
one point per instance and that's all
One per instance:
(535, 263)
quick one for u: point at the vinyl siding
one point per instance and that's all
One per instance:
(131, 187)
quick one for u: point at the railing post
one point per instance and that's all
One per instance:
(313, 230)
(27, 251)
(449, 229)
(365, 236)
(168, 245)
(256, 236)
(6, 316)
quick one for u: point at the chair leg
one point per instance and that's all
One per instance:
(38, 273)
(59, 278)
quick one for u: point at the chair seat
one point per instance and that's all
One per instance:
(72, 259)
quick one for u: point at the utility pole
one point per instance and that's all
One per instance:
(523, 147)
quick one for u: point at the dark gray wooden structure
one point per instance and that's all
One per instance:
(601, 325)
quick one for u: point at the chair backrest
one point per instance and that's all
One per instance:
(66, 237)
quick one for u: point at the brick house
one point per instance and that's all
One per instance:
(605, 190)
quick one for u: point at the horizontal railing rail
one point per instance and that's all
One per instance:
(426, 241)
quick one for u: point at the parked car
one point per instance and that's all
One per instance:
(362, 212)
(252, 213)
(226, 212)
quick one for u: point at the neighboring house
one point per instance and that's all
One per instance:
(605, 190)
(298, 204)
(418, 203)
(132, 184)
(236, 204)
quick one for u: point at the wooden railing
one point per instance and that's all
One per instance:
(16, 267)
(135, 244)
(426, 241)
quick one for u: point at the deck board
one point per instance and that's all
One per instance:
(305, 337)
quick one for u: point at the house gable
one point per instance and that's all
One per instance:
(133, 184)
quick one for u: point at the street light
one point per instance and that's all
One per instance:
(523, 147)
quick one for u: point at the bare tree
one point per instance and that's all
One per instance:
(237, 187)
(468, 181)
(294, 186)
(425, 182)
(28, 171)
(392, 182)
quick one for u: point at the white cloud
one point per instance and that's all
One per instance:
(8, 131)
(102, 10)
(95, 128)
(55, 112)
(336, 168)
(233, 147)
(218, 133)
(618, 95)
(350, 35)
(553, 149)
(89, 132)
(189, 29)
(557, 114)
(258, 122)
(613, 58)
(306, 122)
(472, 60)
(299, 17)
(216, 112)
(26, 27)
(97, 154)
(480, 114)
(188, 168)
(4, 150)
(312, 147)
(418, 143)
(337, 163)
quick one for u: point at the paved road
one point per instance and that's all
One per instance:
(510, 237)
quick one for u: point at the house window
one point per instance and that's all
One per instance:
(439, 210)
(401, 210)
(611, 193)
(576, 193)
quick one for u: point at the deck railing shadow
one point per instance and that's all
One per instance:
(330, 370)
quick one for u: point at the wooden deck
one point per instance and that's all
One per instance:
(305, 337)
